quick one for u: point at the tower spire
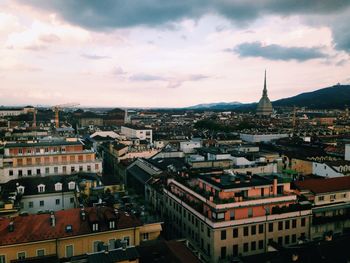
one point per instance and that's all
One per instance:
(265, 89)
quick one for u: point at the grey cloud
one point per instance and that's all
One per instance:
(94, 57)
(35, 47)
(119, 71)
(277, 52)
(111, 14)
(146, 77)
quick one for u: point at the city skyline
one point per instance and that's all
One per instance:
(170, 55)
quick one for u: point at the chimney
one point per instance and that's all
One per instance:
(52, 219)
(11, 226)
(274, 186)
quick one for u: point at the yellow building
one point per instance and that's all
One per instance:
(72, 232)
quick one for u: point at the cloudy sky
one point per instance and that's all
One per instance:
(165, 53)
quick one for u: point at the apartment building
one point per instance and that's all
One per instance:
(73, 232)
(331, 204)
(224, 216)
(131, 131)
(47, 158)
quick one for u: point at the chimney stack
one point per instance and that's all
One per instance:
(53, 219)
(274, 186)
(11, 226)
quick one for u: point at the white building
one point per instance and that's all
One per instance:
(347, 152)
(137, 132)
(325, 170)
(47, 158)
(190, 146)
(262, 137)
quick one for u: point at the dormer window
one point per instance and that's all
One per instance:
(95, 227)
(71, 185)
(111, 224)
(58, 187)
(41, 188)
(20, 189)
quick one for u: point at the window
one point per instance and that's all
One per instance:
(38, 171)
(294, 238)
(250, 212)
(333, 197)
(58, 187)
(208, 231)
(47, 170)
(71, 200)
(46, 149)
(20, 173)
(287, 224)
(111, 224)
(223, 234)
(253, 245)
(72, 169)
(145, 236)
(55, 170)
(127, 239)
(261, 244)
(261, 228)
(41, 203)
(280, 225)
(71, 185)
(41, 188)
(80, 168)
(20, 151)
(40, 252)
(21, 255)
(303, 221)
(270, 227)
(245, 231)
(2, 259)
(232, 215)
(235, 232)
(95, 227)
(29, 172)
(280, 240)
(253, 230)
(235, 250)
(58, 201)
(321, 198)
(344, 195)
(223, 252)
(96, 167)
(89, 168)
(286, 240)
(30, 204)
(69, 251)
(96, 246)
(111, 244)
(64, 169)
(294, 223)
(11, 173)
(245, 247)
(37, 150)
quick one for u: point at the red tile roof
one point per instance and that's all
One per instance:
(33, 228)
(318, 186)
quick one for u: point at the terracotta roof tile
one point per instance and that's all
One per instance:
(318, 186)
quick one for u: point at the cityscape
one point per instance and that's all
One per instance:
(182, 132)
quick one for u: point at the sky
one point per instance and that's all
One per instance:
(165, 53)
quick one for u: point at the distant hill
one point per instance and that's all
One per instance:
(216, 106)
(334, 97)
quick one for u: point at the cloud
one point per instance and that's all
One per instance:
(94, 57)
(112, 14)
(277, 52)
(119, 71)
(146, 77)
(49, 38)
(35, 47)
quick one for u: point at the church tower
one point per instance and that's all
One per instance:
(265, 106)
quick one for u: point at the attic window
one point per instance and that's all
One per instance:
(58, 187)
(71, 185)
(95, 227)
(20, 189)
(41, 188)
(111, 224)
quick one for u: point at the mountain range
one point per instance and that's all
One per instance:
(334, 97)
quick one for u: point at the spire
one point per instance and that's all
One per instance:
(265, 89)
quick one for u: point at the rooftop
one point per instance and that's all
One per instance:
(34, 228)
(42, 144)
(328, 185)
